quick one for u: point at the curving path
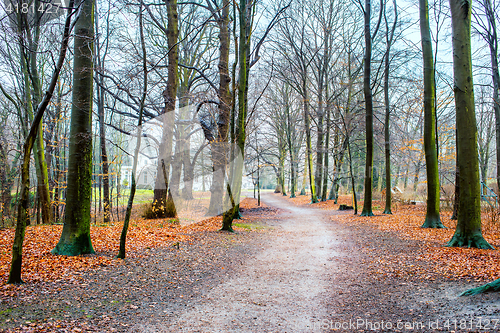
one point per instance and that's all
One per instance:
(282, 289)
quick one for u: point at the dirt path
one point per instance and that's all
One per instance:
(281, 289)
(304, 272)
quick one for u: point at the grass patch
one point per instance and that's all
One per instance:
(249, 226)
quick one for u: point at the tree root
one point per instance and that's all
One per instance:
(470, 241)
(489, 287)
(433, 222)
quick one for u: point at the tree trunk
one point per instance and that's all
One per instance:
(245, 21)
(102, 131)
(318, 176)
(432, 218)
(468, 232)
(219, 148)
(307, 123)
(163, 204)
(367, 203)
(454, 215)
(22, 217)
(291, 149)
(75, 238)
(128, 213)
(304, 177)
(32, 92)
(324, 191)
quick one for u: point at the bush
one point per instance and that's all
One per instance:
(148, 212)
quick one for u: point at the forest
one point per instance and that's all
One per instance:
(127, 124)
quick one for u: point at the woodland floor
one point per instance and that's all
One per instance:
(289, 267)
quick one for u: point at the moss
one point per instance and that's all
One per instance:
(74, 246)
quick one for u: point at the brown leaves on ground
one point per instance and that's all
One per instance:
(40, 265)
(435, 258)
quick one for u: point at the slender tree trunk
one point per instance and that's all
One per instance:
(387, 135)
(468, 232)
(318, 176)
(220, 146)
(245, 21)
(291, 148)
(102, 130)
(367, 203)
(307, 123)
(432, 218)
(353, 181)
(23, 216)
(493, 45)
(304, 178)
(128, 212)
(454, 215)
(324, 192)
(39, 149)
(281, 169)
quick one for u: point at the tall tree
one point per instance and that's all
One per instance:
(133, 186)
(489, 34)
(432, 218)
(389, 38)
(100, 91)
(219, 144)
(367, 90)
(245, 22)
(468, 232)
(29, 28)
(163, 204)
(22, 215)
(75, 237)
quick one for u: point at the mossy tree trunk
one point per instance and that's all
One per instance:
(468, 232)
(23, 216)
(75, 237)
(245, 22)
(432, 218)
(33, 95)
(309, 158)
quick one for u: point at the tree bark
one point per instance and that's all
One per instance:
(23, 216)
(128, 212)
(468, 232)
(432, 218)
(75, 237)
(102, 130)
(245, 21)
(163, 204)
(367, 202)
(309, 160)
